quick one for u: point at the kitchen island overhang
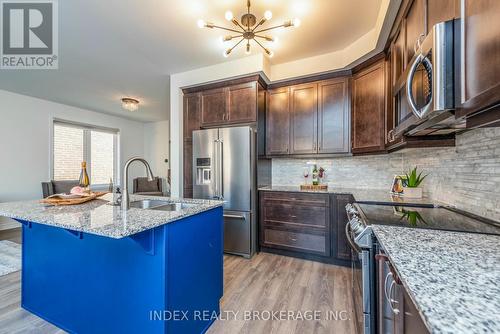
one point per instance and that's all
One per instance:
(83, 282)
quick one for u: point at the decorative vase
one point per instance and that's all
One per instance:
(412, 192)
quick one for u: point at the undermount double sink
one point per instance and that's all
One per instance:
(150, 204)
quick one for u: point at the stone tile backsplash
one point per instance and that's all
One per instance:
(467, 176)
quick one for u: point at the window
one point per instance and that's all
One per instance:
(74, 143)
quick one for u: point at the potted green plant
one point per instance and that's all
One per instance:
(412, 183)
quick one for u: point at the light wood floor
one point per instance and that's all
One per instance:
(266, 283)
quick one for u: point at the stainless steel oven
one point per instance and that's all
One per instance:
(362, 246)
(426, 93)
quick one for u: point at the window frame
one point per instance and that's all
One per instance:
(87, 148)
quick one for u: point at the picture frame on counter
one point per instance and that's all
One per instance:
(397, 184)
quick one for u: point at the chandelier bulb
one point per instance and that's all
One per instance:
(228, 15)
(268, 15)
(247, 51)
(201, 24)
(296, 22)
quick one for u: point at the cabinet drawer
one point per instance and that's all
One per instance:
(295, 198)
(295, 214)
(305, 242)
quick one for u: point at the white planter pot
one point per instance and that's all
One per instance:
(412, 192)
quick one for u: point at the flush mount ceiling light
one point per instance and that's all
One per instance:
(247, 30)
(130, 104)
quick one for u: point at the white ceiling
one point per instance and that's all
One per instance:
(115, 48)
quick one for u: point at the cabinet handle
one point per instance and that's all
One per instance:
(293, 239)
(390, 136)
(293, 216)
(418, 43)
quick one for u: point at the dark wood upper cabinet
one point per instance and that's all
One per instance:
(440, 11)
(309, 119)
(192, 114)
(333, 116)
(368, 109)
(213, 107)
(242, 103)
(481, 66)
(415, 27)
(398, 55)
(304, 118)
(278, 121)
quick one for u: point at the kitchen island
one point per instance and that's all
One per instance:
(94, 268)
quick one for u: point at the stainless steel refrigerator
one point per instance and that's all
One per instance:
(224, 163)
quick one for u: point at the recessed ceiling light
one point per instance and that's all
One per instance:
(130, 104)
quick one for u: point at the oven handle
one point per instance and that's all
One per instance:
(351, 242)
(409, 94)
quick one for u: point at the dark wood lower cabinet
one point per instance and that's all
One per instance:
(304, 225)
(396, 311)
(338, 203)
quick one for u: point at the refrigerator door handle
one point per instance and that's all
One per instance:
(221, 170)
(234, 216)
(216, 169)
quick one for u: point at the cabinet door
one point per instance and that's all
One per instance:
(440, 11)
(412, 321)
(304, 118)
(340, 219)
(481, 53)
(188, 168)
(278, 121)
(213, 107)
(242, 103)
(334, 116)
(415, 27)
(192, 114)
(398, 61)
(368, 124)
(298, 222)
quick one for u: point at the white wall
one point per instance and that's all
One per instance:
(25, 130)
(156, 147)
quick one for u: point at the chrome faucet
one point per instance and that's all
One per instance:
(125, 196)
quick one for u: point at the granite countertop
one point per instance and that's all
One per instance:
(101, 218)
(361, 195)
(453, 278)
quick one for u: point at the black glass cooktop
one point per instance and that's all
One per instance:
(426, 217)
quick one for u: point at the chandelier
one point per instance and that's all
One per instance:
(248, 30)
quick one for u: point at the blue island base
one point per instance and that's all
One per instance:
(165, 280)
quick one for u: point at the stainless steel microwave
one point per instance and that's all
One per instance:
(426, 94)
